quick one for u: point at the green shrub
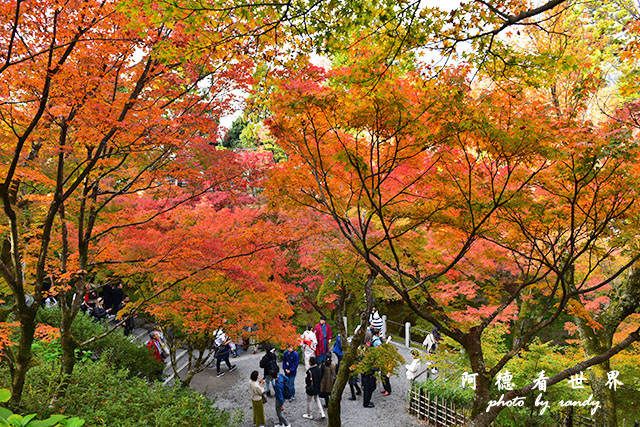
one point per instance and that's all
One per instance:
(115, 347)
(105, 396)
(453, 392)
(382, 360)
(9, 419)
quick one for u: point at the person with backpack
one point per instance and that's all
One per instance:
(328, 378)
(290, 363)
(268, 363)
(281, 388)
(313, 382)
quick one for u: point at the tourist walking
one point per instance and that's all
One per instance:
(412, 368)
(386, 384)
(257, 391)
(323, 335)
(368, 380)
(309, 344)
(222, 352)
(290, 363)
(155, 345)
(313, 382)
(376, 339)
(279, 384)
(117, 298)
(99, 313)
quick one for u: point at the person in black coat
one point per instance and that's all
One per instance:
(99, 313)
(107, 295)
(368, 379)
(118, 297)
(269, 362)
(313, 380)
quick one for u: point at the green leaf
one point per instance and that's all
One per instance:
(5, 395)
(15, 420)
(5, 413)
(49, 422)
(28, 418)
(73, 422)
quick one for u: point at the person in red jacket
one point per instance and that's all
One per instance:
(323, 334)
(155, 345)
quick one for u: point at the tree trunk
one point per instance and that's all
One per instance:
(350, 356)
(67, 341)
(606, 415)
(483, 419)
(473, 346)
(68, 345)
(344, 372)
(624, 300)
(22, 361)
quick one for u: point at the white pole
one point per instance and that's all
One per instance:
(384, 325)
(407, 334)
(346, 330)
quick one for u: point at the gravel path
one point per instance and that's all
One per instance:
(231, 392)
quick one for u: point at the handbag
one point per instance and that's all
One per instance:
(264, 397)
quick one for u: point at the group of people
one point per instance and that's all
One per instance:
(373, 337)
(106, 303)
(315, 342)
(321, 368)
(320, 373)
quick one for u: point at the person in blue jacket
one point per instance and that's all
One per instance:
(290, 363)
(337, 349)
(279, 389)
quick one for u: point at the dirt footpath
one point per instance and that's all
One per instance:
(231, 392)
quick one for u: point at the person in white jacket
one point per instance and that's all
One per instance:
(412, 368)
(431, 341)
(309, 343)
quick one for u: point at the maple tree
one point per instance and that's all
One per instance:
(106, 102)
(103, 101)
(227, 275)
(444, 191)
(430, 180)
(578, 87)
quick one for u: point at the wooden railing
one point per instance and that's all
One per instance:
(436, 411)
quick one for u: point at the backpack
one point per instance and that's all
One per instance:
(263, 362)
(287, 387)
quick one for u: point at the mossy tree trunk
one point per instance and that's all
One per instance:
(349, 358)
